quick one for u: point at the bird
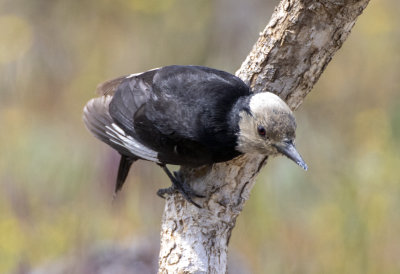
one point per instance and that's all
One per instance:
(188, 116)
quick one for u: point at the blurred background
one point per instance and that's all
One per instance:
(57, 180)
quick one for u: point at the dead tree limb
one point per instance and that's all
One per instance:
(288, 58)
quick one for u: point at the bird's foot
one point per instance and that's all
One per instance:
(179, 186)
(186, 187)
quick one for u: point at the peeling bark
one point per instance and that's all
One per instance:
(288, 59)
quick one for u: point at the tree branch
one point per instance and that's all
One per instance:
(288, 59)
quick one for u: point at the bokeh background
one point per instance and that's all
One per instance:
(56, 180)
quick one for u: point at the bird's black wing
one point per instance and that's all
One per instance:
(110, 117)
(176, 115)
(111, 86)
(186, 120)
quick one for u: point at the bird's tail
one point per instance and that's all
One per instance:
(123, 170)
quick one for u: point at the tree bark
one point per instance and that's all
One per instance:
(288, 59)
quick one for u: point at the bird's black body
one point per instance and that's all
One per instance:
(182, 112)
(188, 116)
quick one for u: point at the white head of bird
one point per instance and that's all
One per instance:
(268, 128)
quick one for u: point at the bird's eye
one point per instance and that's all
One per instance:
(261, 130)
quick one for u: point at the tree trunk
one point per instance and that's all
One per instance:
(288, 58)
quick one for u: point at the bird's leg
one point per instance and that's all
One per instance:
(178, 186)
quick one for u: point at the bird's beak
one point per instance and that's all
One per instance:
(288, 149)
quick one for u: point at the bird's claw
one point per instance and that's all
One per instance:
(186, 188)
(172, 190)
(169, 190)
(180, 187)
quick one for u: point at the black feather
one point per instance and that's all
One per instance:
(123, 170)
(182, 115)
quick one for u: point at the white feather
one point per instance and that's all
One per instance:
(98, 120)
(139, 73)
(267, 100)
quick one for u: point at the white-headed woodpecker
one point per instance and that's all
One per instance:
(188, 116)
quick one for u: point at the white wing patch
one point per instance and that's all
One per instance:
(98, 120)
(139, 73)
(118, 136)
